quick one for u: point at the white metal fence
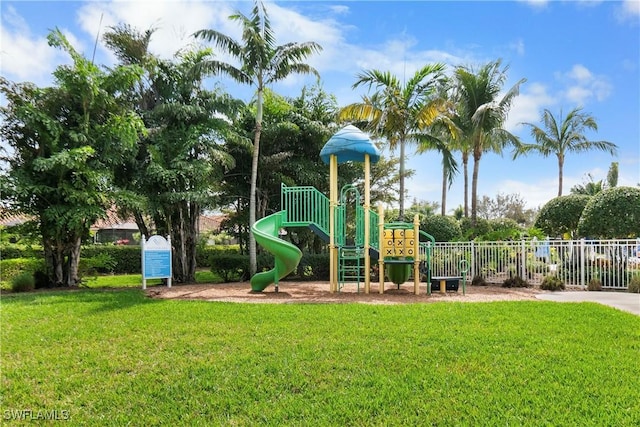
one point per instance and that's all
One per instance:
(576, 262)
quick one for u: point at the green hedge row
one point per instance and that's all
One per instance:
(10, 268)
(235, 267)
(124, 259)
(12, 251)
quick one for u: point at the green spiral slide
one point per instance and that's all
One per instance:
(287, 256)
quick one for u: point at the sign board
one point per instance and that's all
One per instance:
(156, 259)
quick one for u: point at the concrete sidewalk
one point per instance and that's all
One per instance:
(622, 300)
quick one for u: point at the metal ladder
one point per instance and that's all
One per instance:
(350, 265)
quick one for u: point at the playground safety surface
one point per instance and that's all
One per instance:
(318, 292)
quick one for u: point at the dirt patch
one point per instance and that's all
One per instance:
(318, 292)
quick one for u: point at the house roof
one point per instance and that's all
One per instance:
(211, 222)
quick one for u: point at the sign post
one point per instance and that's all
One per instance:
(156, 259)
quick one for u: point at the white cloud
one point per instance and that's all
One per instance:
(628, 10)
(538, 4)
(582, 85)
(578, 94)
(174, 21)
(517, 46)
(339, 9)
(580, 73)
(527, 106)
(535, 194)
(26, 57)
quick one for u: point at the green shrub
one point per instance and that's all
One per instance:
(471, 231)
(101, 263)
(230, 267)
(611, 214)
(562, 214)
(313, 267)
(634, 285)
(515, 282)
(204, 253)
(11, 251)
(127, 258)
(233, 267)
(503, 229)
(23, 282)
(552, 283)
(10, 268)
(442, 228)
(594, 285)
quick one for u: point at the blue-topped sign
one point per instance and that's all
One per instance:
(157, 264)
(156, 259)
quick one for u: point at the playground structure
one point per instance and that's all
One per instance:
(355, 233)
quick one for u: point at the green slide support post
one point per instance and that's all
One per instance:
(287, 256)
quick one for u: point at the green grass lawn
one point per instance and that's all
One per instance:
(129, 280)
(120, 358)
(135, 280)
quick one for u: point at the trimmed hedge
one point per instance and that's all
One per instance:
(233, 267)
(11, 268)
(13, 251)
(127, 258)
(222, 260)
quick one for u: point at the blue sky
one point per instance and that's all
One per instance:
(572, 53)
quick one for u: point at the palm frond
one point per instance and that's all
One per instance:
(213, 67)
(221, 41)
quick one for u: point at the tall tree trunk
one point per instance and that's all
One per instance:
(443, 209)
(474, 187)
(53, 261)
(401, 195)
(560, 166)
(73, 261)
(253, 264)
(140, 222)
(465, 165)
(192, 242)
(177, 248)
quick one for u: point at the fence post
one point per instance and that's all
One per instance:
(473, 261)
(523, 260)
(582, 263)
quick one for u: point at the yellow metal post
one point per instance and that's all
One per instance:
(416, 255)
(367, 223)
(333, 203)
(380, 246)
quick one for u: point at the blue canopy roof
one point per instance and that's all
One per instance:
(350, 144)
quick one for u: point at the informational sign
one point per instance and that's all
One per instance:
(156, 259)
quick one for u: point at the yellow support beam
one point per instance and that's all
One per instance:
(333, 204)
(416, 258)
(367, 223)
(380, 245)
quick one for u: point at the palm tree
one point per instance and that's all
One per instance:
(401, 113)
(445, 134)
(591, 187)
(562, 136)
(481, 115)
(262, 62)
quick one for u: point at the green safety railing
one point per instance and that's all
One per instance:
(304, 206)
(307, 205)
